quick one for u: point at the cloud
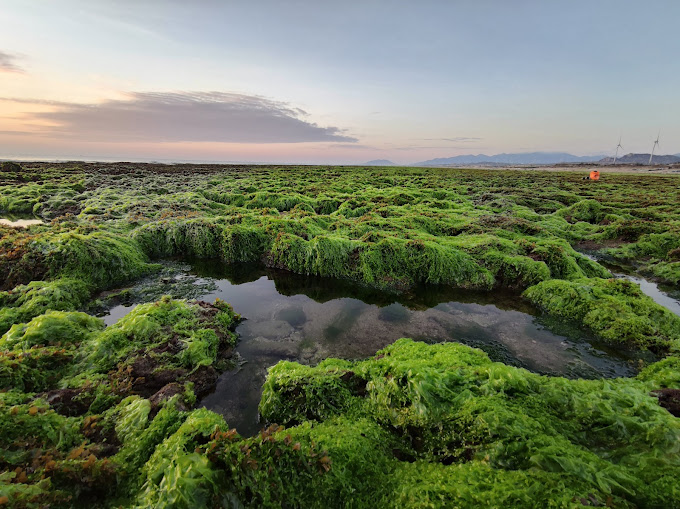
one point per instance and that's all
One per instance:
(184, 117)
(459, 139)
(447, 147)
(351, 146)
(7, 63)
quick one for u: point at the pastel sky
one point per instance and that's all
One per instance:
(342, 82)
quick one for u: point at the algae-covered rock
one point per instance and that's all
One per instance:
(102, 417)
(292, 394)
(663, 374)
(10, 166)
(51, 329)
(36, 355)
(615, 309)
(178, 476)
(657, 254)
(28, 301)
(101, 258)
(107, 397)
(194, 331)
(459, 430)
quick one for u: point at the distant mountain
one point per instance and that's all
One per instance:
(379, 162)
(643, 159)
(520, 158)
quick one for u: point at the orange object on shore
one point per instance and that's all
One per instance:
(594, 175)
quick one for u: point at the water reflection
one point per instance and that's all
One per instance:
(306, 319)
(19, 223)
(664, 295)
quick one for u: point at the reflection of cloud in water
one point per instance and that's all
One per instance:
(342, 319)
(319, 318)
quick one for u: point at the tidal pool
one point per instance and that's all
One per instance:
(655, 291)
(19, 223)
(306, 319)
(661, 294)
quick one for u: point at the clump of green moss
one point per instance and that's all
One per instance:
(99, 258)
(194, 332)
(54, 328)
(657, 254)
(75, 266)
(653, 245)
(34, 369)
(663, 374)
(143, 435)
(36, 355)
(589, 211)
(667, 271)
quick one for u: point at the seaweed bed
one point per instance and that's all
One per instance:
(105, 416)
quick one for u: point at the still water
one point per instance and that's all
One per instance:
(306, 319)
(664, 295)
(19, 223)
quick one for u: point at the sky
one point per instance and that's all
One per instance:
(318, 82)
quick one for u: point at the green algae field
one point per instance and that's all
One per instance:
(110, 414)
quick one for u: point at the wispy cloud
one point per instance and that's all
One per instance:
(458, 139)
(8, 63)
(448, 147)
(184, 117)
(350, 146)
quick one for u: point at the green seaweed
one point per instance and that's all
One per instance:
(616, 309)
(54, 328)
(482, 432)
(103, 416)
(28, 301)
(176, 475)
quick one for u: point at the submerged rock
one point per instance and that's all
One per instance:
(294, 315)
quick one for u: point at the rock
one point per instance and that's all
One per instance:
(669, 399)
(204, 379)
(273, 329)
(67, 401)
(294, 315)
(144, 376)
(10, 166)
(265, 347)
(165, 393)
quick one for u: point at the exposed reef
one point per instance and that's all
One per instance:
(105, 416)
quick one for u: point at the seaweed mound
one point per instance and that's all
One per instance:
(616, 309)
(105, 417)
(442, 425)
(82, 407)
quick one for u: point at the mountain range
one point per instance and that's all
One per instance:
(533, 158)
(519, 158)
(379, 162)
(643, 159)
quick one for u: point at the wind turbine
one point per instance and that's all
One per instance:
(617, 150)
(656, 144)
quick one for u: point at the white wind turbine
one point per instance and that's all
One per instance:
(656, 144)
(617, 150)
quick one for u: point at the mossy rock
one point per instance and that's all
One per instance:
(615, 309)
(10, 166)
(442, 424)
